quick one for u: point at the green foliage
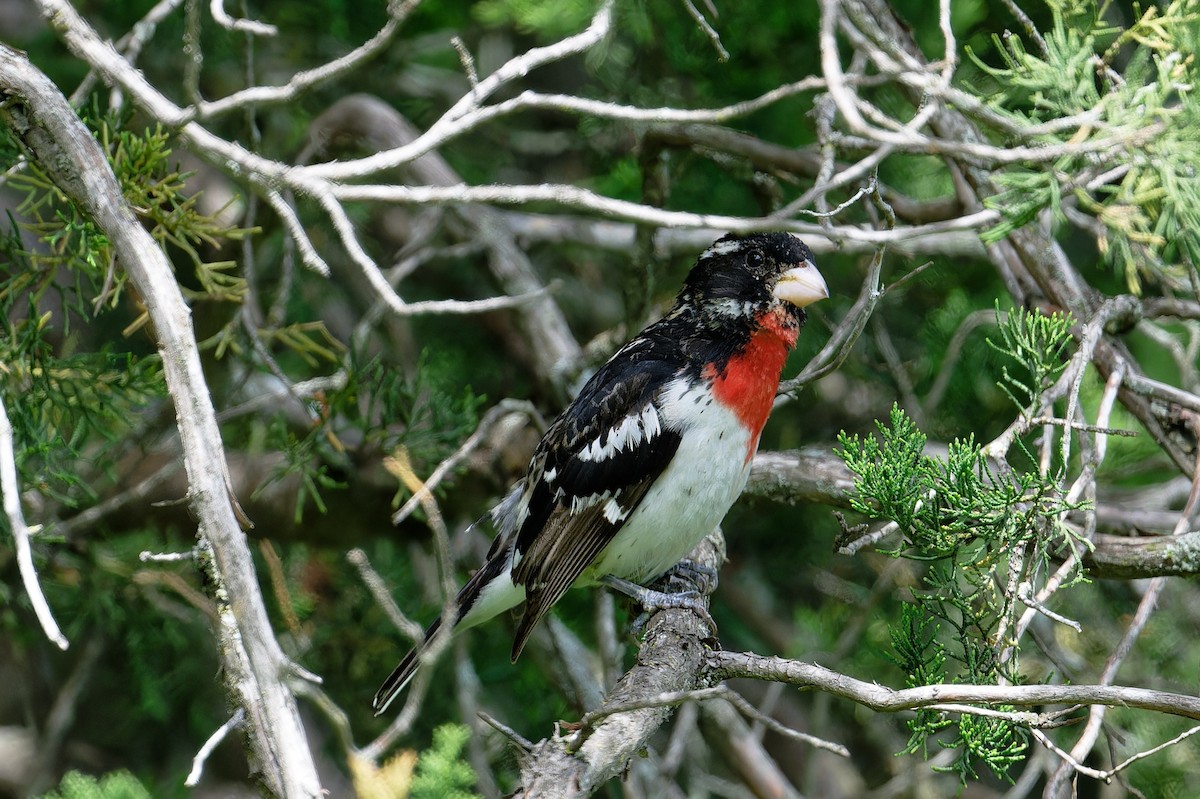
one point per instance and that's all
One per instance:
(1037, 343)
(62, 406)
(441, 772)
(71, 402)
(115, 785)
(922, 658)
(970, 525)
(427, 411)
(155, 190)
(997, 742)
(1121, 87)
(158, 653)
(945, 506)
(982, 529)
(889, 470)
(549, 20)
(301, 459)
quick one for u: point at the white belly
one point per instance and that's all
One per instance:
(689, 499)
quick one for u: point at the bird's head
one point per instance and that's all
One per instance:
(753, 277)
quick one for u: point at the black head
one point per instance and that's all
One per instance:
(746, 275)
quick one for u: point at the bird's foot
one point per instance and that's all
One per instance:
(653, 601)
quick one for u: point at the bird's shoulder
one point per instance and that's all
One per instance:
(613, 438)
(619, 406)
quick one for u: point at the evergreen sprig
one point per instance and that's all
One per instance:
(1037, 343)
(426, 411)
(157, 192)
(63, 407)
(114, 785)
(1132, 85)
(982, 529)
(441, 771)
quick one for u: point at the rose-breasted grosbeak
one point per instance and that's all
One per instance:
(655, 449)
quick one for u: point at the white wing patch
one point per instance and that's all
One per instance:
(583, 503)
(632, 431)
(613, 512)
(692, 494)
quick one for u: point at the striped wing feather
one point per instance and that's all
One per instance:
(607, 450)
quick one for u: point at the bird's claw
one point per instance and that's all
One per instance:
(653, 601)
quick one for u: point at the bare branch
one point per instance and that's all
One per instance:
(810, 475)
(308, 253)
(10, 485)
(1091, 731)
(707, 28)
(668, 661)
(465, 113)
(303, 81)
(727, 665)
(838, 347)
(214, 740)
(383, 597)
(583, 199)
(495, 416)
(43, 120)
(222, 18)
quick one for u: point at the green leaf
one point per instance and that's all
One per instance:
(441, 772)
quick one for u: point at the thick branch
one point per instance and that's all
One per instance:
(812, 475)
(1118, 556)
(815, 475)
(253, 664)
(669, 661)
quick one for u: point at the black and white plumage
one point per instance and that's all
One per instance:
(655, 449)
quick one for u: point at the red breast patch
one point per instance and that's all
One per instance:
(748, 383)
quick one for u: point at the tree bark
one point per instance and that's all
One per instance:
(254, 667)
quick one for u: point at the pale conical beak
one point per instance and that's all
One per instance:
(801, 285)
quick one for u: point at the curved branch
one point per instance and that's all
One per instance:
(550, 343)
(584, 199)
(256, 96)
(467, 112)
(10, 488)
(728, 665)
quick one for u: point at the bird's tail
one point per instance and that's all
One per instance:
(490, 591)
(398, 680)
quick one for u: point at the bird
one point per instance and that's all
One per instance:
(654, 449)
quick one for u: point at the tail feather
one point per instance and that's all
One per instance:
(398, 680)
(489, 592)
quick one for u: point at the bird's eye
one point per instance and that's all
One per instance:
(755, 258)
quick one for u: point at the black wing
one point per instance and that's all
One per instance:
(591, 471)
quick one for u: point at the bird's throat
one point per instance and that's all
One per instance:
(750, 378)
